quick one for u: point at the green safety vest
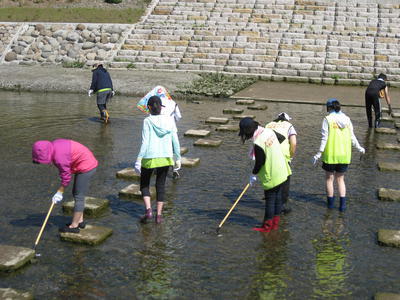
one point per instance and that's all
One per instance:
(282, 127)
(338, 146)
(276, 168)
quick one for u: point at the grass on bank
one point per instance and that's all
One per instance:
(70, 15)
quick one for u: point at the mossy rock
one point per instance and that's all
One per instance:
(388, 237)
(93, 206)
(11, 294)
(13, 257)
(91, 235)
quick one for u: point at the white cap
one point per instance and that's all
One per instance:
(285, 115)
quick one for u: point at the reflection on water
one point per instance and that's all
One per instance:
(184, 258)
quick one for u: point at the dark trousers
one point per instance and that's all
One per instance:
(101, 108)
(273, 202)
(80, 188)
(161, 176)
(373, 101)
(285, 191)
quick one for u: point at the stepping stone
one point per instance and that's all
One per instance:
(386, 130)
(386, 296)
(190, 162)
(184, 150)
(245, 102)
(93, 206)
(197, 133)
(91, 235)
(388, 146)
(214, 120)
(396, 115)
(239, 117)
(207, 143)
(133, 192)
(388, 194)
(258, 107)
(232, 111)
(128, 174)
(388, 237)
(387, 119)
(227, 128)
(397, 124)
(385, 109)
(387, 166)
(13, 257)
(11, 294)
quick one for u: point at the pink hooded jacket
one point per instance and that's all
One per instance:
(68, 156)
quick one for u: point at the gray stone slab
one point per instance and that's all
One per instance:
(214, 120)
(133, 192)
(207, 143)
(11, 294)
(258, 107)
(388, 166)
(232, 110)
(396, 115)
(128, 174)
(244, 102)
(386, 130)
(13, 257)
(397, 124)
(387, 146)
(387, 119)
(197, 133)
(184, 150)
(93, 206)
(388, 194)
(388, 237)
(227, 128)
(91, 235)
(387, 296)
(239, 117)
(189, 162)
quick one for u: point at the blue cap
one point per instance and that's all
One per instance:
(330, 101)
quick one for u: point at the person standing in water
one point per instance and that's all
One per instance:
(103, 86)
(160, 144)
(69, 157)
(376, 89)
(270, 166)
(335, 148)
(282, 125)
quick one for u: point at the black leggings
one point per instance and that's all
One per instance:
(101, 108)
(273, 202)
(161, 176)
(373, 101)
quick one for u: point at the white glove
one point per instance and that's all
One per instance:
(361, 150)
(138, 166)
(178, 165)
(252, 180)
(315, 158)
(90, 92)
(113, 93)
(57, 197)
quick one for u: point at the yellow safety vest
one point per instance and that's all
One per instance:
(338, 146)
(282, 127)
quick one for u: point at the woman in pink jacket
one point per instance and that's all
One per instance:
(69, 157)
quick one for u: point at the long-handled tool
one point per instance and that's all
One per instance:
(43, 226)
(233, 206)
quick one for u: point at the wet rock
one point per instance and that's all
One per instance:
(133, 192)
(388, 237)
(10, 56)
(184, 150)
(197, 133)
(11, 294)
(387, 146)
(207, 143)
(397, 125)
(388, 166)
(214, 120)
(396, 115)
(388, 194)
(387, 296)
(93, 206)
(386, 130)
(91, 235)
(244, 102)
(228, 128)
(128, 174)
(387, 119)
(190, 162)
(258, 107)
(13, 257)
(232, 111)
(239, 117)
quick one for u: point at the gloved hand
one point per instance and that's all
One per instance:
(315, 158)
(113, 93)
(252, 180)
(90, 92)
(57, 197)
(138, 166)
(178, 165)
(361, 150)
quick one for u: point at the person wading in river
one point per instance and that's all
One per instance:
(69, 157)
(270, 166)
(335, 148)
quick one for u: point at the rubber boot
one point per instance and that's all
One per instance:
(342, 206)
(330, 201)
(147, 216)
(159, 219)
(265, 227)
(275, 222)
(106, 116)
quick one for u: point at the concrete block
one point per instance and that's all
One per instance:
(383, 130)
(11, 294)
(239, 117)
(207, 143)
(244, 102)
(91, 235)
(93, 206)
(258, 107)
(13, 257)
(387, 296)
(388, 194)
(232, 111)
(132, 192)
(215, 120)
(388, 237)
(184, 150)
(387, 146)
(197, 133)
(228, 128)
(388, 166)
(189, 162)
(128, 174)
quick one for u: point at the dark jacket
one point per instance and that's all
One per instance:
(101, 79)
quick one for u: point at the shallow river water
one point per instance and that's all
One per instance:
(316, 254)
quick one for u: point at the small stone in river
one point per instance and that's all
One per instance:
(197, 133)
(388, 237)
(388, 194)
(184, 150)
(91, 235)
(13, 257)
(207, 143)
(190, 162)
(388, 166)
